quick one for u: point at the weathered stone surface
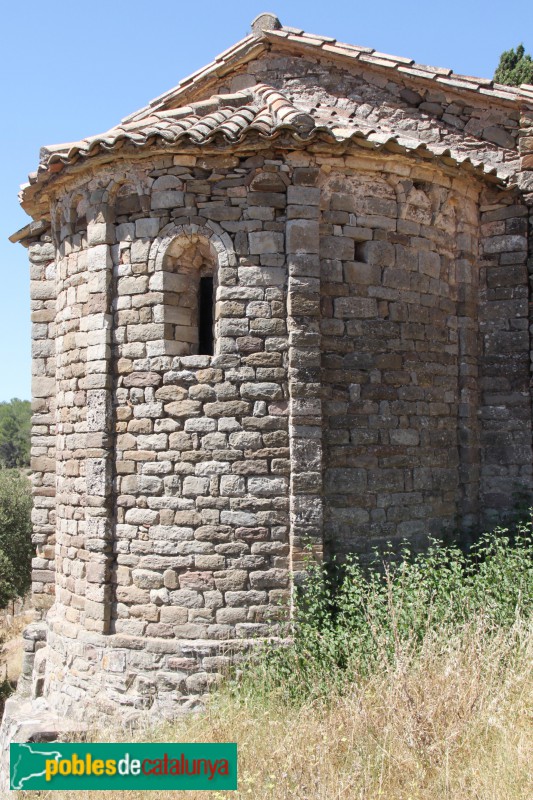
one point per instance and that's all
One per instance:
(146, 579)
(261, 391)
(302, 237)
(266, 242)
(142, 379)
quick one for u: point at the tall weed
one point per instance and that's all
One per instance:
(355, 620)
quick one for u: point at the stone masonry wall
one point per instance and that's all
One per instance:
(505, 376)
(341, 400)
(177, 523)
(526, 187)
(399, 326)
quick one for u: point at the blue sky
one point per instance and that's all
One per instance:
(69, 70)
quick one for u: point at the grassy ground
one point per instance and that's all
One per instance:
(411, 682)
(451, 722)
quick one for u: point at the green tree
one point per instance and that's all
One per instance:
(15, 425)
(16, 548)
(7, 581)
(515, 67)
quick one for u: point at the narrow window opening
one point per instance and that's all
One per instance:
(205, 316)
(361, 252)
(189, 283)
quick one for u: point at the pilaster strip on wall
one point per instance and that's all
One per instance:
(525, 182)
(305, 423)
(43, 451)
(99, 513)
(469, 344)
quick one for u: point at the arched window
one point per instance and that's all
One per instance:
(189, 286)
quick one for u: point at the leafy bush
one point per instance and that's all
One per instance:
(355, 621)
(15, 535)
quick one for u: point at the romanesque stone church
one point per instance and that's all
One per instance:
(284, 305)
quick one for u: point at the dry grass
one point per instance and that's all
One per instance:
(11, 645)
(454, 723)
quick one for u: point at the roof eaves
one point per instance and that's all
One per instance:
(380, 140)
(232, 131)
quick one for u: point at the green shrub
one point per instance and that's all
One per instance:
(353, 621)
(15, 535)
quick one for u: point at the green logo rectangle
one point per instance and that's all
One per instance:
(123, 766)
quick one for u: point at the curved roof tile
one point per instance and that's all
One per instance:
(263, 109)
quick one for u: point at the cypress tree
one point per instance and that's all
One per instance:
(515, 67)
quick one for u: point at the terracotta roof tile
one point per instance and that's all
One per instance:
(501, 92)
(472, 79)
(230, 50)
(346, 51)
(416, 72)
(280, 34)
(262, 109)
(296, 31)
(433, 70)
(452, 81)
(379, 62)
(397, 59)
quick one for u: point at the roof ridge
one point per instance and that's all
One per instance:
(444, 75)
(330, 47)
